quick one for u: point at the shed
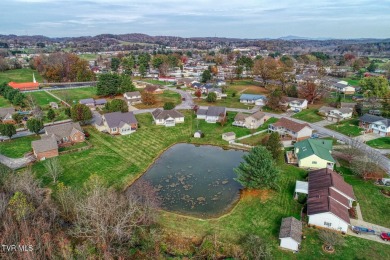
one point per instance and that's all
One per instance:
(53, 105)
(301, 187)
(290, 233)
(198, 134)
(229, 136)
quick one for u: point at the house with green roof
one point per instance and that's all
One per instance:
(314, 154)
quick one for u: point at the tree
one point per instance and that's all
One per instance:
(266, 68)
(292, 91)
(80, 112)
(148, 98)
(222, 119)
(359, 108)
(366, 166)
(126, 84)
(372, 67)
(34, 125)
(116, 105)
(330, 239)
(274, 145)
(374, 86)
(53, 168)
(198, 93)
(18, 99)
(115, 62)
(258, 170)
(68, 112)
(7, 130)
(211, 97)
(312, 92)
(108, 84)
(142, 70)
(274, 100)
(17, 117)
(128, 64)
(51, 114)
(239, 70)
(206, 76)
(386, 105)
(169, 105)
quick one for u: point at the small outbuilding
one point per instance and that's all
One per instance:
(301, 187)
(53, 105)
(198, 134)
(290, 234)
(229, 136)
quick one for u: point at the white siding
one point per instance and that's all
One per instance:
(313, 161)
(306, 131)
(335, 222)
(289, 243)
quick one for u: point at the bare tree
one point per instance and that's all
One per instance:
(256, 248)
(266, 68)
(311, 91)
(34, 107)
(53, 168)
(330, 238)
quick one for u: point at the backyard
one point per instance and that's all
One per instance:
(20, 75)
(17, 147)
(42, 98)
(4, 102)
(167, 96)
(309, 115)
(74, 95)
(347, 127)
(380, 143)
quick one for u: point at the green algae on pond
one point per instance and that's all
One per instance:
(196, 180)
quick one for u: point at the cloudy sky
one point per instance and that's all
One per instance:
(186, 18)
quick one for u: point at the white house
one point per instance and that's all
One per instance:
(336, 114)
(167, 117)
(329, 199)
(229, 136)
(381, 127)
(290, 233)
(250, 121)
(119, 123)
(296, 104)
(132, 97)
(344, 87)
(211, 114)
(258, 100)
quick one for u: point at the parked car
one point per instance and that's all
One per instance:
(385, 236)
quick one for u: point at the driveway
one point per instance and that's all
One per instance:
(15, 164)
(366, 137)
(324, 123)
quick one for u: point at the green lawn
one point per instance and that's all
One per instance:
(16, 148)
(156, 82)
(72, 147)
(309, 115)
(254, 140)
(353, 82)
(76, 94)
(20, 75)
(4, 102)
(167, 96)
(42, 98)
(380, 143)
(88, 56)
(347, 127)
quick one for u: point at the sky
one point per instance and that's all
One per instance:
(252, 19)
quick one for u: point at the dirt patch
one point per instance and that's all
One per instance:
(249, 89)
(263, 195)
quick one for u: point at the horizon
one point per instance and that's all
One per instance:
(253, 19)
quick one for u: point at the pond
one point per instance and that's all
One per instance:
(196, 180)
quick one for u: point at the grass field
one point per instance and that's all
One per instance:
(156, 82)
(347, 127)
(4, 102)
(42, 98)
(20, 75)
(380, 143)
(88, 56)
(76, 94)
(16, 148)
(167, 96)
(309, 115)
(254, 140)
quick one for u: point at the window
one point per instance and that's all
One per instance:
(314, 162)
(328, 224)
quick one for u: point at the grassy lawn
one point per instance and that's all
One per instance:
(375, 207)
(309, 115)
(156, 82)
(167, 96)
(254, 140)
(42, 98)
(16, 148)
(4, 102)
(60, 114)
(20, 75)
(347, 127)
(76, 94)
(88, 56)
(75, 146)
(353, 82)
(380, 143)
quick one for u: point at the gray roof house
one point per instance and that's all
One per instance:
(45, 148)
(87, 102)
(120, 123)
(167, 117)
(6, 113)
(133, 97)
(65, 133)
(211, 114)
(290, 233)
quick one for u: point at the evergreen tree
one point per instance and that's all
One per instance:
(169, 105)
(259, 170)
(274, 145)
(108, 84)
(126, 84)
(211, 97)
(80, 112)
(206, 76)
(117, 105)
(7, 130)
(51, 114)
(34, 125)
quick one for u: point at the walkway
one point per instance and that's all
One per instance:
(15, 164)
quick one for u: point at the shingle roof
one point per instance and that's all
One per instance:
(215, 111)
(385, 122)
(258, 115)
(319, 147)
(240, 117)
(291, 227)
(115, 119)
(164, 114)
(370, 118)
(87, 101)
(290, 125)
(201, 112)
(63, 130)
(133, 94)
(101, 101)
(6, 110)
(295, 100)
(252, 97)
(47, 143)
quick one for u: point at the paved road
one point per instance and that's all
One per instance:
(187, 100)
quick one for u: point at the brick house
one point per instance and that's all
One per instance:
(45, 148)
(67, 133)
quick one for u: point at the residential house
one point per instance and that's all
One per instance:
(53, 105)
(250, 121)
(295, 104)
(167, 117)
(187, 82)
(153, 89)
(133, 97)
(329, 199)
(167, 79)
(375, 124)
(344, 87)
(120, 123)
(336, 114)
(291, 129)
(314, 153)
(211, 114)
(218, 92)
(348, 104)
(229, 136)
(258, 100)
(290, 233)
(100, 103)
(6, 115)
(67, 133)
(89, 102)
(45, 148)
